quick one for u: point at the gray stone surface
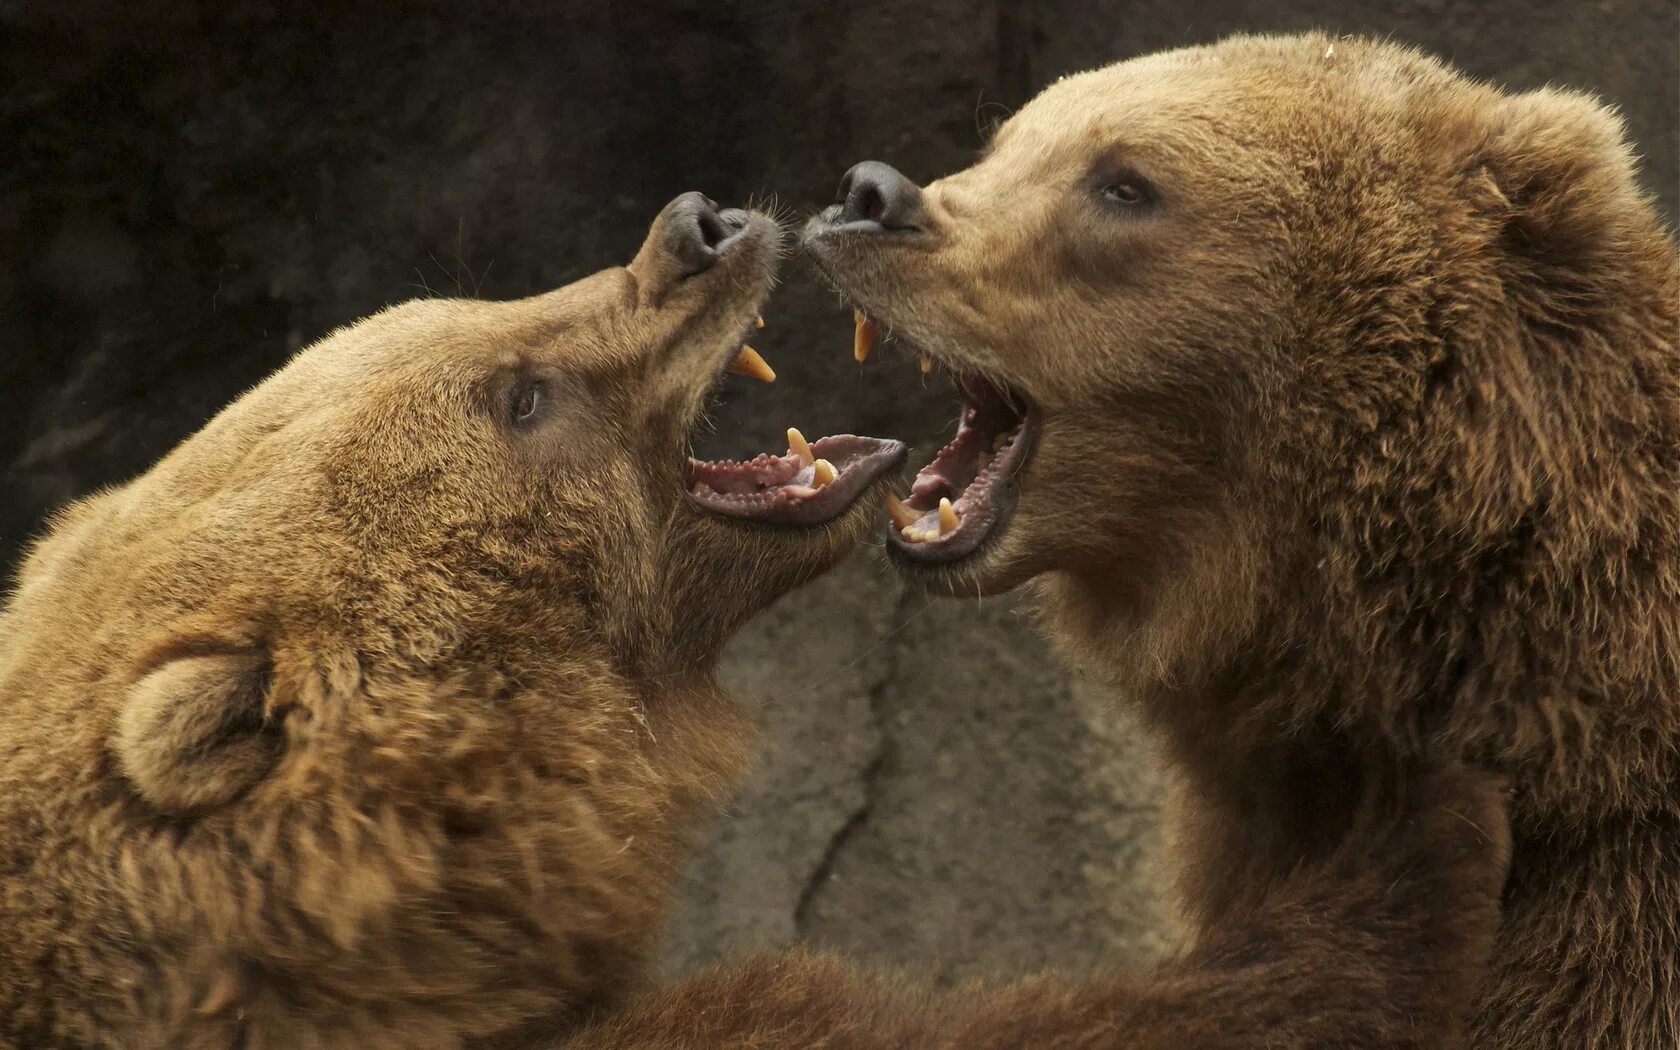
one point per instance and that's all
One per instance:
(934, 792)
(184, 200)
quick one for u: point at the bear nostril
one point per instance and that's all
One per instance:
(713, 231)
(873, 192)
(696, 233)
(870, 205)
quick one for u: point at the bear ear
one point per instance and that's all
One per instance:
(195, 731)
(1562, 171)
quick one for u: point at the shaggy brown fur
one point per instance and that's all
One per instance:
(1380, 946)
(369, 716)
(1360, 438)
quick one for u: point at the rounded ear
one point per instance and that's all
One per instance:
(1561, 162)
(194, 732)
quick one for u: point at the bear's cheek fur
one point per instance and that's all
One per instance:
(1140, 356)
(410, 819)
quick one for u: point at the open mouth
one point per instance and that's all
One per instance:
(811, 484)
(968, 491)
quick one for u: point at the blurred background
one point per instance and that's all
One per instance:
(191, 191)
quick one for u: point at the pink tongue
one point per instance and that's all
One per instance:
(929, 483)
(930, 520)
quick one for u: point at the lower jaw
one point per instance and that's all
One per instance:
(996, 566)
(963, 549)
(951, 525)
(786, 490)
(985, 571)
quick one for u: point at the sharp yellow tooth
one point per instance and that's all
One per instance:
(800, 447)
(758, 320)
(914, 535)
(947, 516)
(822, 474)
(749, 363)
(927, 364)
(902, 515)
(863, 335)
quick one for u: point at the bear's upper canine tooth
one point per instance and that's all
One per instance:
(902, 515)
(800, 447)
(947, 516)
(758, 320)
(927, 364)
(749, 363)
(822, 473)
(863, 335)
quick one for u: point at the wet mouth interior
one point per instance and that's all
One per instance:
(812, 483)
(966, 491)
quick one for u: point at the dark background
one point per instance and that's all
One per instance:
(190, 192)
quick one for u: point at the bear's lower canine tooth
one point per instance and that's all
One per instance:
(758, 320)
(822, 473)
(863, 335)
(902, 516)
(798, 446)
(749, 363)
(947, 516)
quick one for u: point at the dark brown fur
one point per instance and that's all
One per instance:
(1360, 442)
(368, 719)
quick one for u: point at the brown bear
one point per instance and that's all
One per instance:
(1331, 401)
(373, 714)
(1379, 945)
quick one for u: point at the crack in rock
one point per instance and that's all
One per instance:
(871, 776)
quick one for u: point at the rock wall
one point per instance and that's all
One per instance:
(191, 191)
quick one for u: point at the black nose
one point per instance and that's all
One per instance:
(697, 234)
(879, 193)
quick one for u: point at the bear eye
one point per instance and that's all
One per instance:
(524, 402)
(1127, 192)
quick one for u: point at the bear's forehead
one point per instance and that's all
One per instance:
(440, 338)
(1247, 88)
(1162, 120)
(403, 390)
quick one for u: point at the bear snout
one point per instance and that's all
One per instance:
(690, 236)
(876, 194)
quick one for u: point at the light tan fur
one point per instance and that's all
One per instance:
(365, 718)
